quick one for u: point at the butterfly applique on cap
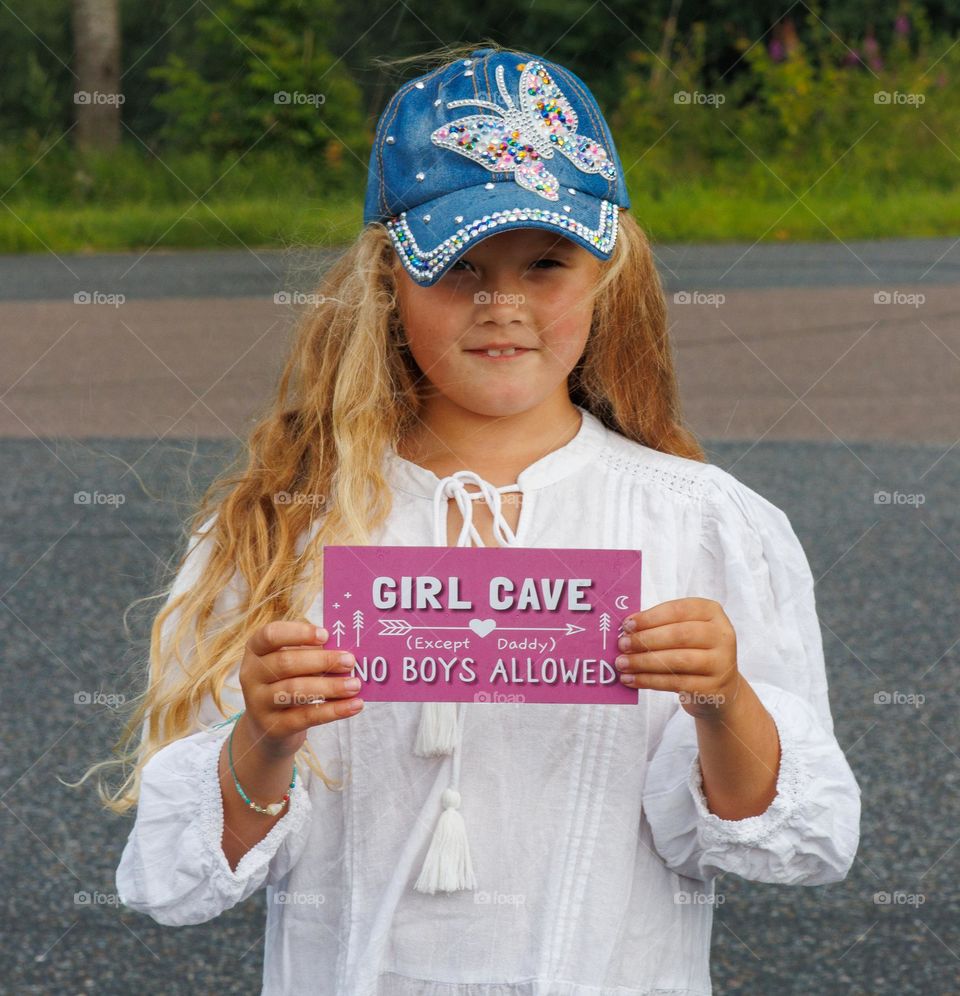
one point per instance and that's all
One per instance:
(537, 154)
(521, 137)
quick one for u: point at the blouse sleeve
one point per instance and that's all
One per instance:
(752, 563)
(173, 866)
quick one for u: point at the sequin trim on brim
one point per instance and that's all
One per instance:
(424, 265)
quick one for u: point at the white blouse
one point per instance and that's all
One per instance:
(592, 843)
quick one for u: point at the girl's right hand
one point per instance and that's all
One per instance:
(283, 668)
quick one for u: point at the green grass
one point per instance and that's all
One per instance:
(689, 212)
(696, 212)
(874, 170)
(257, 223)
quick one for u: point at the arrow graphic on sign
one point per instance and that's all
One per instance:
(482, 627)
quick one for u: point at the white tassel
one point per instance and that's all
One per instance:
(437, 733)
(447, 866)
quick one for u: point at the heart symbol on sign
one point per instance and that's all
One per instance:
(483, 626)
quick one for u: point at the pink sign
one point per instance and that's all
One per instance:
(482, 624)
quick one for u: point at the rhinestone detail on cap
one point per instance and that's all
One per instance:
(423, 266)
(522, 134)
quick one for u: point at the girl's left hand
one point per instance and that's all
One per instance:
(686, 645)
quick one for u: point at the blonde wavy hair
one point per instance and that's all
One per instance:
(350, 388)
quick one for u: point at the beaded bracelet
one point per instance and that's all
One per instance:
(274, 807)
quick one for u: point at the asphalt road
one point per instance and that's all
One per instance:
(888, 580)
(263, 272)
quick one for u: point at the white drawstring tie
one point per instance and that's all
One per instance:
(447, 866)
(452, 487)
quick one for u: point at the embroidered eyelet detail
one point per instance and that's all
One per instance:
(689, 486)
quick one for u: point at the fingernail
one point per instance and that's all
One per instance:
(629, 625)
(624, 643)
(620, 663)
(322, 634)
(352, 684)
(347, 660)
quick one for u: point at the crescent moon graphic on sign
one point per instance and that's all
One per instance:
(621, 599)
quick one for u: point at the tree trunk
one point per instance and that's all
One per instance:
(97, 97)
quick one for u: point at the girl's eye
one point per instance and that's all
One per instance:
(464, 262)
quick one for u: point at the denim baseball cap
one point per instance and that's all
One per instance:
(496, 141)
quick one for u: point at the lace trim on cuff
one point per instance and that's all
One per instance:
(792, 781)
(211, 817)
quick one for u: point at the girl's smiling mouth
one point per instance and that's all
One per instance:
(499, 354)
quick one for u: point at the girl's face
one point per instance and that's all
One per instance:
(525, 288)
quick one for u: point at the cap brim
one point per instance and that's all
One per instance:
(429, 238)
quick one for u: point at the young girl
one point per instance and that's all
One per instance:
(489, 365)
